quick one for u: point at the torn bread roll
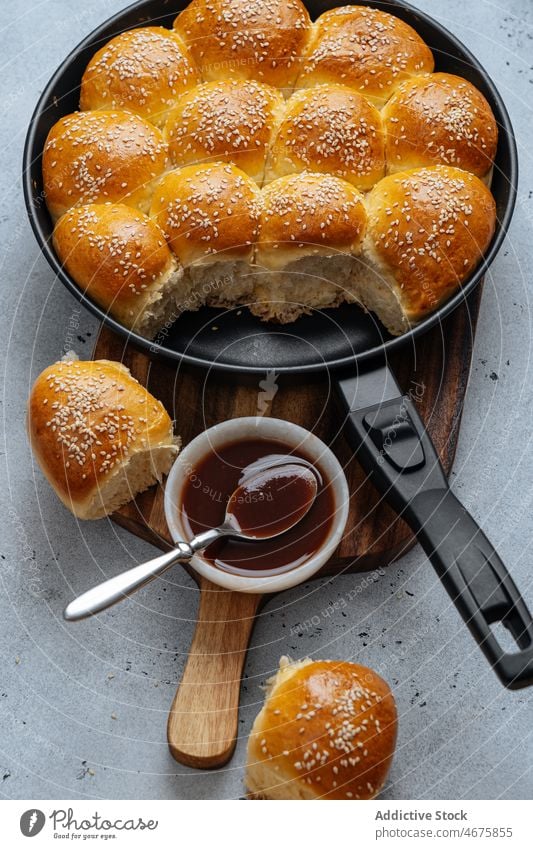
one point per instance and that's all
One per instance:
(311, 229)
(209, 214)
(327, 730)
(120, 259)
(427, 231)
(99, 437)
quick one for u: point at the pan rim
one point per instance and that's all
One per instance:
(159, 351)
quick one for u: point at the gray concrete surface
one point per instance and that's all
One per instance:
(461, 734)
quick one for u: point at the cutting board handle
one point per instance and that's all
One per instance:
(203, 721)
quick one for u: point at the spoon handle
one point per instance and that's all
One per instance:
(115, 589)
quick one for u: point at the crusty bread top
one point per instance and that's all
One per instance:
(228, 120)
(246, 39)
(330, 129)
(115, 253)
(94, 157)
(429, 229)
(85, 419)
(439, 119)
(208, 209)
(330, 725)
(364, 48)
(307, 214)
(142, 70)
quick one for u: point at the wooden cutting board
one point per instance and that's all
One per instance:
(202, 725)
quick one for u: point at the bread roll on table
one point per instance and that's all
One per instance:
(246, 39)
(327, 730)
(120, 259)
(439, 119)
(366, 49)
(95, 157)
(98, 435)
(142, 70)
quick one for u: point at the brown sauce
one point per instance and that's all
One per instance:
(215, 479)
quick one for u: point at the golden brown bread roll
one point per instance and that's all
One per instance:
(228, 120)
(439, 119)
(427, 231)
(209, 214)
(238, 39)
(311, 228)
(330, 129)
(327, 730)
(95, 157)
(207, 209)
(98, 435)
(364, 48)
(120, 259)
(142, 70)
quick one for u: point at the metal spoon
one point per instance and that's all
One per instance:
(119, 587)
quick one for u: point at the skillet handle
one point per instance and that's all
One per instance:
(394, 448)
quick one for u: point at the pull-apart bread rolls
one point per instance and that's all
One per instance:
(98, 435)
(229, 120)
(142, 70)
(94, 157)
(427, 231)
(311, 228)
(246, 39)
(272, 126)
(119, 257)
(327, 730)
(368, 50)
(439, 119)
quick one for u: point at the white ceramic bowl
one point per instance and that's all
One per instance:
(258, 428)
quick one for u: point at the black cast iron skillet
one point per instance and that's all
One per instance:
(382, 424)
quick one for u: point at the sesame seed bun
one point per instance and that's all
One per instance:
(238, 39)
(207, 210)
(331, 129)
(427, 231)
(327, 730)
(98, 435)
(143, 70)
(228, 120)
(120, 259)
(439, 119)
(95, 157)
(365, 49)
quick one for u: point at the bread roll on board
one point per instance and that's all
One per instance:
(327, 730)
(98, 435)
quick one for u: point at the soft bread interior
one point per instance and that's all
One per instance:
(160, 303)
(310, 283)
(143, 469)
